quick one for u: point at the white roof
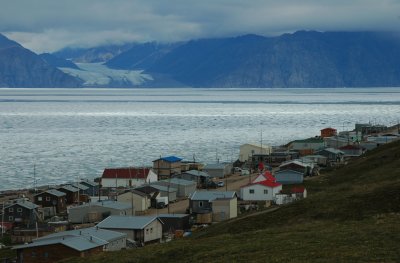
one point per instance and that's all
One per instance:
(211, 195)
(127, 222)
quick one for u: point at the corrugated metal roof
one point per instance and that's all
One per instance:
(164, 188)
(126, 173)
(80, 239)
(69, 188)
(211, 195)
(89, 183)
(53, 192)
(214, 166)
(126, 222)
(108, 204)
(179, 181)
(173, 215)
(197, 173)
(26, 204)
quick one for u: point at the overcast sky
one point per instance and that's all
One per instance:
(49, 25)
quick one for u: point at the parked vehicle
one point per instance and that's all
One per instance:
(221, 184)
(161, 205)
(212, 184)
(244, 172)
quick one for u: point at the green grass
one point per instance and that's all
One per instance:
(352, 214)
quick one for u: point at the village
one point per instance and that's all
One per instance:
(131, 207)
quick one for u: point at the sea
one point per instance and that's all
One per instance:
(54, 136)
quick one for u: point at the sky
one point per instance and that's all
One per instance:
(49, 25)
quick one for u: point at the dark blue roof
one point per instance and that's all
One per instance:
(171, 159)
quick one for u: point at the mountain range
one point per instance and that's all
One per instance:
(304, 59)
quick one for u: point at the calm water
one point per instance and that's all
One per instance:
(71, 134)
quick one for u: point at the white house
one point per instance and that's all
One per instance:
(127, 177)
(260, 191)
(248, 149)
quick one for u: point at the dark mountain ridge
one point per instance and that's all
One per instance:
(21, 68)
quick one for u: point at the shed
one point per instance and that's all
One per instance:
(184, 187)
(218, 170)
(166, 191)
(95, 212)
(224, 209)
(201, 201)
(141, 201)
(173, 222)
(141, 229)
(200, 177)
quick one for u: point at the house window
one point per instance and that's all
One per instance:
(47, 198)
(39, 198)
(251, 191)
(147, 231)
(46, 255)
(201, 204)
(19, 209)
(151, 230)
(10, 218)
(10, 209)
(265, 191)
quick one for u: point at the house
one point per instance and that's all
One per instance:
(199, 177)
(296, 165)
(299, 192)
(140, 229)
(289, 177)
(201, 201)
(97, 211)
(248, 150)
(23, 213)
(184, 187)
(277, 158)
(218, 170)
(72, 193)
(141, 201)
(368, 128)
(224, 208)
(166, 191)
(166, 167)
(191, 165)
(307, 146)
(352, 150)
(319, 160)
(173, 222)
(52, 198)
(127, 177)
(328, 132)
(260, 191)
(75, 243)
(93, 188)
(337, 141)
(334, 156)
(264, 176)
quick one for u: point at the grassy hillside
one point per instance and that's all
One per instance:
(352, 215)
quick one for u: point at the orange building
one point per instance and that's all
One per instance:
(328, 132)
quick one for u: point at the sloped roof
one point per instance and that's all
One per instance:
(69, 188)
(87, 182)
(179, 181)
(108, 204)
(169, 159)
(329, 129)
(332, 150)
(197, 173)
(211, 195)
(298, 189)
(126, 173)
(215, 166)
(80, 239)
(26, 204)
(266, 183)
(288, 170)
(127, 222)
(296, 162)
(173, 215)
(164, 188)
(53, 192)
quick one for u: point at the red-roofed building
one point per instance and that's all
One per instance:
(260, 191)
(127, 177)
(299, 192)
(265, 176)
(328, 132)
(352, 150)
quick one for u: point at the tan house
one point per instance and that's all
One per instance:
(166, 167)
(141, 201)
(249, 149)
(224, 208)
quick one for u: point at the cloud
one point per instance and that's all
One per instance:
(47, 25)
